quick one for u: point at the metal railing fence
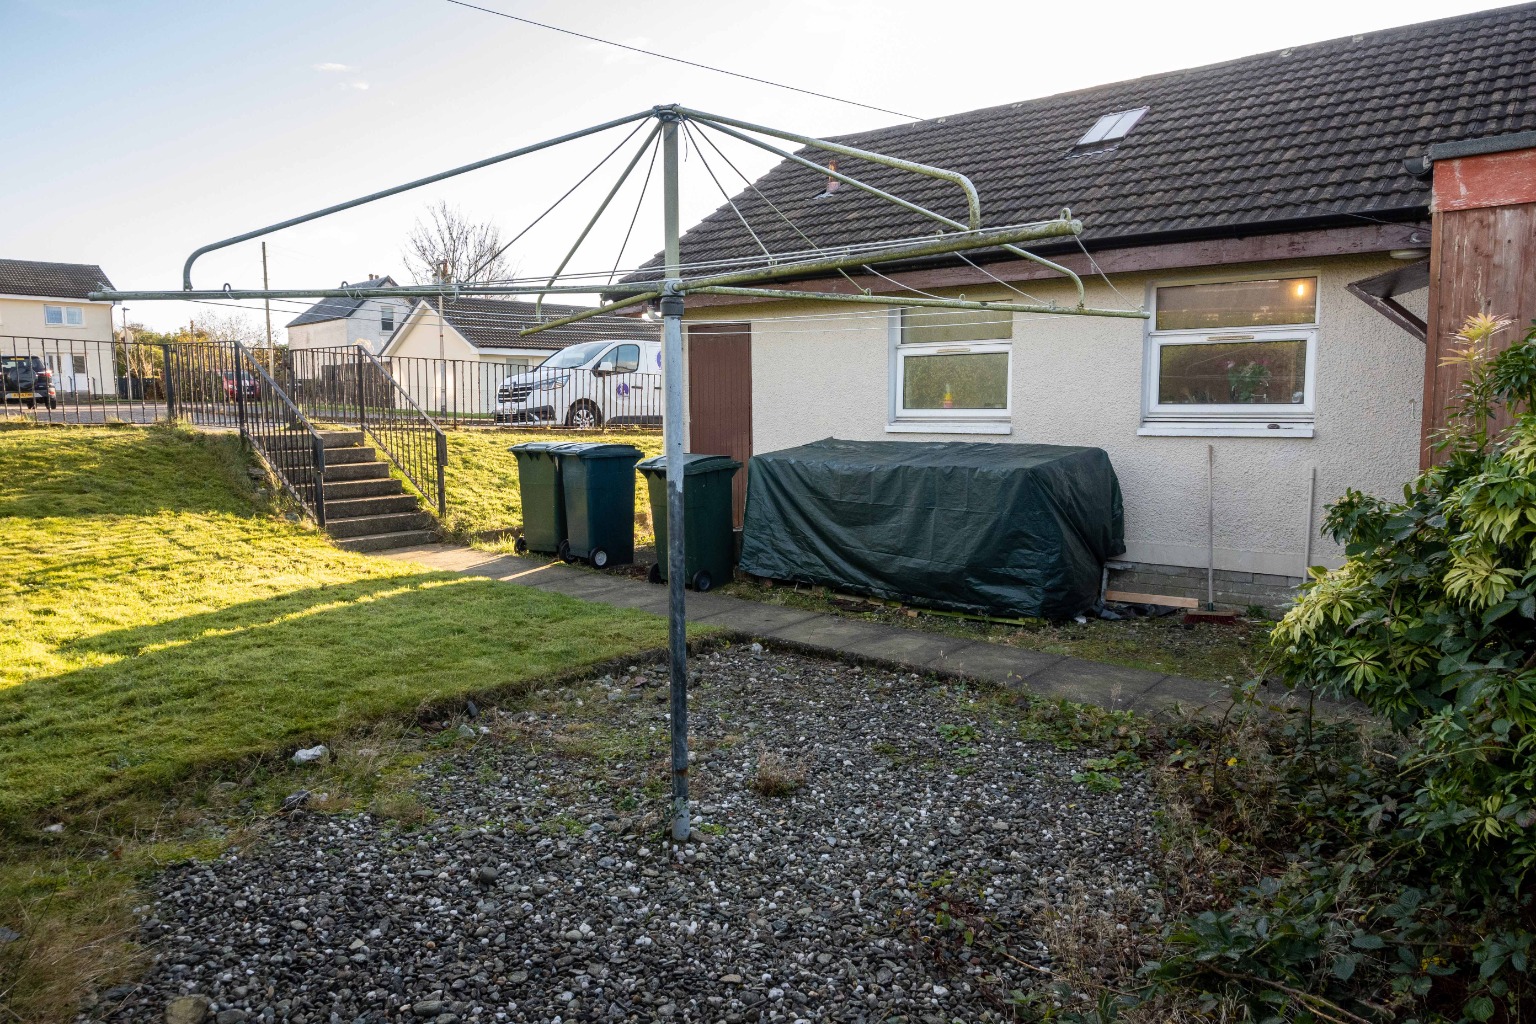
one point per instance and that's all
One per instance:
(273, 425)
(91, 381)
(351, 387)
(468, 393)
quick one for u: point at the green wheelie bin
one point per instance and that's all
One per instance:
(599, 482)
(538, 481)
(708, 539)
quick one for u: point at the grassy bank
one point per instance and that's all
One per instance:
(169, 632)
(160, 622)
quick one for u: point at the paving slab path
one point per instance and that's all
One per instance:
(1048, 675)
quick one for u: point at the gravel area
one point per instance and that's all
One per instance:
(852, 825)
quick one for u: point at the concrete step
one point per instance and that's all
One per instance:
(341, 490)
(341, 438)
(364, 526)
(348, 456)
(385, 541)
(349, 508)
(356, 471)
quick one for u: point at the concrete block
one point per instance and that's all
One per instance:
(1108, 686)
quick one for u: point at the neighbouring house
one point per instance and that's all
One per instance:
(1260, 209)
(334, 323)
(452, 355)
(44, 312)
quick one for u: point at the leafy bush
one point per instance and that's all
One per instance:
(1399, 878)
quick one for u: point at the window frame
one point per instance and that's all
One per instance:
(64, 312)
(1108, 128)
(1229, 420)
(950, 421)
(387, 318)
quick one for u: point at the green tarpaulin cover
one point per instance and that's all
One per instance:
(992, 529)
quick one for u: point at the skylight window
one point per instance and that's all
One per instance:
(1112, 127)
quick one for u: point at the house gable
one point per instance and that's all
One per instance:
(492, 327)
(422, 334)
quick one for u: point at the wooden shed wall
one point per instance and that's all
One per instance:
(1482, 260)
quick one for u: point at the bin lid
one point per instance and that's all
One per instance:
(537, 446)
(693, 464)
(596, 450)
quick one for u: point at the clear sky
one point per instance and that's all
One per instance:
(133, 131)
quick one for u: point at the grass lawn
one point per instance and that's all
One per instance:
(159, 622)
(167, 629)
(482, 477)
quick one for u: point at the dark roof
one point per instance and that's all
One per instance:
(1309, 136)
(339, 309)
(494, 323)
(51, 280)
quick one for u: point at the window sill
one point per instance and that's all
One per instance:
(949, 427)
(1229, 429)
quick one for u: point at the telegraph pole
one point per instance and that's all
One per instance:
(672, 426)
(442, 350)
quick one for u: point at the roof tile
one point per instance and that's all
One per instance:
(1314, 134)
(51, 280)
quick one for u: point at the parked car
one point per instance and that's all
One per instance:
(587, 385)
(27, 379)
(252, 386)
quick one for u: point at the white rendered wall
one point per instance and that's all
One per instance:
(365, 323)
(325, 334)
(22, 316)
(24, 331)
(1078, 381)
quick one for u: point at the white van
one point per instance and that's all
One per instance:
(587, 385)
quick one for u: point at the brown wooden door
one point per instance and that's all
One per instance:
(720, 397)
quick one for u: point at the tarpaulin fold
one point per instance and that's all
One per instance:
(1012, 530)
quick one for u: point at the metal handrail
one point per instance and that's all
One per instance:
(440, 439)
(263, 433)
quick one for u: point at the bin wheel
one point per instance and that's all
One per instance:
(564, 551)
(653, 574)
(599, 558)
(701, 581)
(520, 545)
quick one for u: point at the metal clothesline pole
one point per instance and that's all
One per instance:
(672, 428)
(670, 291)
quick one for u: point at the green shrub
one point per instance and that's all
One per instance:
(1431, 621)
(1398, 884)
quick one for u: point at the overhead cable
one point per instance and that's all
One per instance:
(680, 60)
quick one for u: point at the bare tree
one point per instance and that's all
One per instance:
(448, 246)
(235, 327)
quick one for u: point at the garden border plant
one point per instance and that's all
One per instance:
(1385, 873)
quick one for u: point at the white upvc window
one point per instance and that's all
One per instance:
(387, 318)
(1236, 357)
(63, 316)
(951, 371)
